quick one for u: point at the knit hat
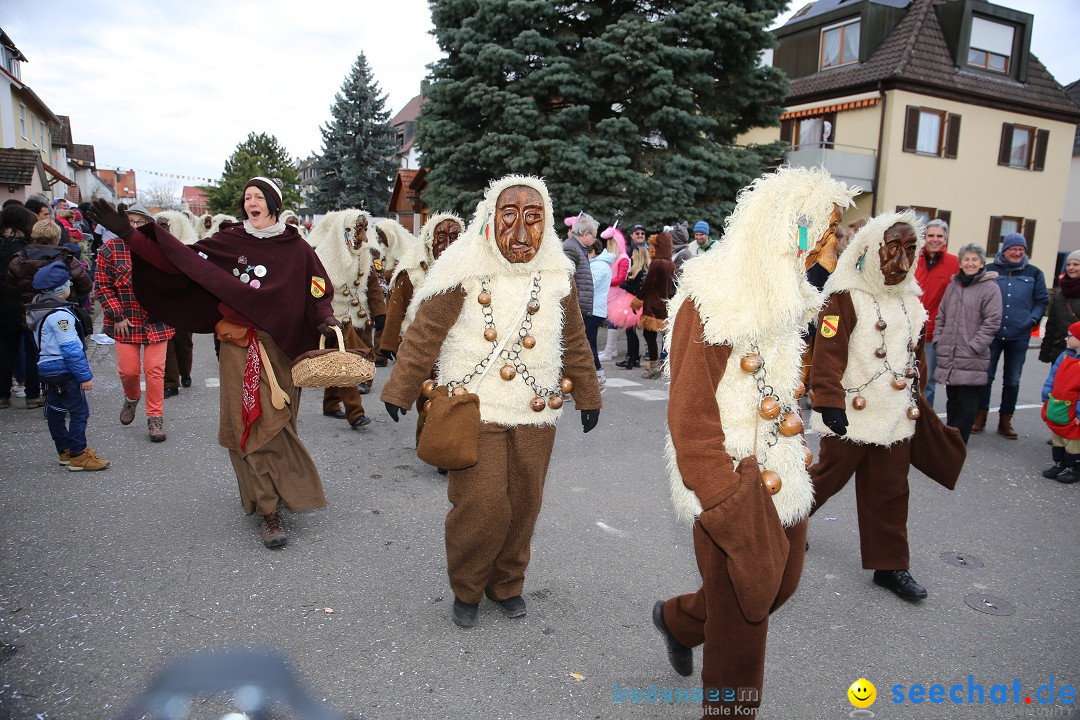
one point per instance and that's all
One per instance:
(53, 278)
(1012, 240)
(701, 227)
(1074, 255)
(1074, 329)
(270, 191)
(138, 209)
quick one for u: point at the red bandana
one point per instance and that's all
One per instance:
(252, 406)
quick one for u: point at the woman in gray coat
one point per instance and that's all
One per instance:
(968, 318)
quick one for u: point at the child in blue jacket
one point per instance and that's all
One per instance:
(62, 366)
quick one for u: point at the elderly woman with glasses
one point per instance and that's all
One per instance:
(141, 341)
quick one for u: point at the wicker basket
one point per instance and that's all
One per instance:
(332, 368)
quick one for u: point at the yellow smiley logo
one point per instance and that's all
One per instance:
(862, 693)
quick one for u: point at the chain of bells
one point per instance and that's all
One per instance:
(361, 313)
(513, 365)
(786, 421)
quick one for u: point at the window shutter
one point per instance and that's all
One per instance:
(1041, 138)
(785, 130)
(1029, 233)
(952, 135)
(945, 215)
(993, 240)
(911, 129)
(1006, 144)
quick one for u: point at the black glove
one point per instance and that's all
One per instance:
(326, 327)
(380, 321)
(393, 411)
(589, 418)
(113, 221)
(835, 419)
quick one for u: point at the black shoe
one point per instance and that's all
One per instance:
(513, 607)
(443, 471)
(363, 388)
(185, 381)
(901, 583)
(463, 614)
(339, 413)
(171, 392)
(1055, 470)
(381, 361)
(680, 656)
(629, 363)
(362, 421)
(1068, 476)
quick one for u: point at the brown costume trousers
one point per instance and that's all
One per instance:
(881, 495)
(274, 466)
(495, 506)
(734, 654)
(333, 398)
(178, 356)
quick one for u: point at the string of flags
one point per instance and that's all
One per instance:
(156, 173)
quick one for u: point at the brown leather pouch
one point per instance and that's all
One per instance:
(451, 431)
(230, 332)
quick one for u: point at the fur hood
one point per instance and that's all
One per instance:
(850, 274)
(753, 281)
(475, 254)
(330, 240)
(398, 242)
(420, 254)
(218, 220)
(179, 226)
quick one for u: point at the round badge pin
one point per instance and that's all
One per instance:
(245, 277)
(255, 284)
(260, 271)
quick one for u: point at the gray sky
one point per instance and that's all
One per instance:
(171, 87)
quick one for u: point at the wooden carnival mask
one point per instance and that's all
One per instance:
(519, 223)
(824, 252)
(897, 253)
(444, 236)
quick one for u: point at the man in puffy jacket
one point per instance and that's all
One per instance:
(1023, 299)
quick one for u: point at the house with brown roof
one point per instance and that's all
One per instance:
(404, 127)
(937, 105)
(195, 200)
(407, 204)
(22, 174)
(122, 184)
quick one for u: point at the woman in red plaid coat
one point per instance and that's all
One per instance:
(141, 341)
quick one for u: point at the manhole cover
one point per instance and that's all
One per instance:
(962, 560)
(989, 604)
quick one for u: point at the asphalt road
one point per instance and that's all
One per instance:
(106, 577)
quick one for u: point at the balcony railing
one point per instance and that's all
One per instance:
(851, 164)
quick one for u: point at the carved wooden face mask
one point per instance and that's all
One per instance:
(897, 253)
(824, 252)
(519, 223)
(444, 236)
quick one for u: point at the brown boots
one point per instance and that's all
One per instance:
(980, 422)
(273, 535)
(1005, 428)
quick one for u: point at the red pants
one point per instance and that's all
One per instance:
(151, 358)
(881, 495)
(734, 654)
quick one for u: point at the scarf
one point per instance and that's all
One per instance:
(267, 232)
(252, 405)
(932, 260)
(1000, 260)
(966, 280)
(1070, 287)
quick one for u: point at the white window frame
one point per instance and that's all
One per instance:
(22, 121)
(981, 57)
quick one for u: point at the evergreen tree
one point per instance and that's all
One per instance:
(357, 162)
(258, 155)
(628, 108)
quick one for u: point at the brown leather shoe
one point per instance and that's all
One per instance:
(156, 425)
(980, 422)
(1005, 428)
(273, 535)
(127, 412)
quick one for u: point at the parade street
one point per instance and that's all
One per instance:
(105, 577)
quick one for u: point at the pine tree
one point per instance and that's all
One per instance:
(258, 155)
(628, 108)
(357, 159)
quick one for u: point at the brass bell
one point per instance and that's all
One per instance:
(881, 325)
(356, 282)
(913, 413)
(361, 314)
(507, 372)
(427, 406)
(528, 342)
(533, 307)
(428, 388)
(555, 402)
(910, 372)
(490, 334)
(459, 391)
(538, 403)
(484, 298)
(790, 425)
(751, 363)
(771, 481)
(858, 402)
(809, 456)
(880, 352)
(346, 292)
(566, 385)
(899, 384)
(770, 408)
(800, 389)
(355, 302)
